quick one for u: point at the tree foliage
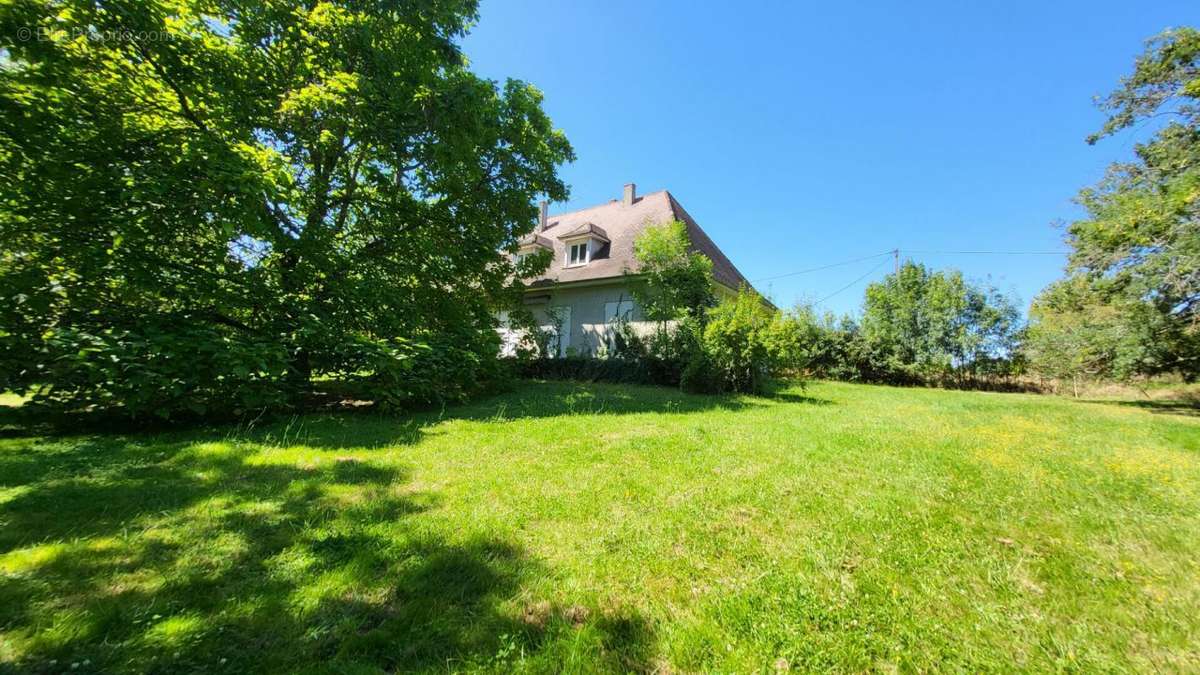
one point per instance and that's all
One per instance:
(1135, 263)
(934, 325)
(676, 281)
(327, 177)
(737, 345)
(1075, 334)
(836, 348)
(743, 345)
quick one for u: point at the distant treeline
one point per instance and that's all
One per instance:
(920, 327)
(1129, 305)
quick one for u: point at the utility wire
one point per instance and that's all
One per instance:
(917, 252)
(985, 252)
(852, 283)
(896, 253)
(823, 267)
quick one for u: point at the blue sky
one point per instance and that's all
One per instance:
(804, 134)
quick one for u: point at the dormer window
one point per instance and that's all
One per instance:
(531, 244)
(578, 254)
(583, 243)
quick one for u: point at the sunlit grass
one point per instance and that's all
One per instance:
(592, 527)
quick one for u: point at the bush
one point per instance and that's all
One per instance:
(174, 370)
(744, 345)
(618, 369)
(400, 373)
(738, 347)
(701, 375)
(838, 350)
(157, 370)
(665, 353)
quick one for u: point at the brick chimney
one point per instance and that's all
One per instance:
(543, 214)
(630, 194)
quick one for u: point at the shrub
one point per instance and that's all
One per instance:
(398, 373)
(159, 369)
(744, 344)
(664, 353)
(701, 375)
(739, 346)
(618, 369)
(175, 370)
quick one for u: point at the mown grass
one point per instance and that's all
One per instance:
(592, 527)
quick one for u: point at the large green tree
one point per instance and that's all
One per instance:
(326, 178)
(1076, 334)
(923, 324)
(1137, 251)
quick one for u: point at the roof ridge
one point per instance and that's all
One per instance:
(681, 214)
(610, 202)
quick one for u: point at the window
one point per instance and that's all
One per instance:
(578, 254)
(618, 311)
(558, 330)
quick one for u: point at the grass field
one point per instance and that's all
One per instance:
(592, 527)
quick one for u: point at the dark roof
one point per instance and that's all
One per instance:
(586, 230)
(535, 239)
(621, 226)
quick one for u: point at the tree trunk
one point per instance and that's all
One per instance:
(299, 375)
(300, 371)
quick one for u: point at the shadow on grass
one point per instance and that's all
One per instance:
(370, 428)
(1190, 408)
(267, 546)
(794, 397)
(124, 449)
(137, 556)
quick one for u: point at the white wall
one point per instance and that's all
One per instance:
(591, 311)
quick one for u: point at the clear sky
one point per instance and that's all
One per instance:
(804, 134)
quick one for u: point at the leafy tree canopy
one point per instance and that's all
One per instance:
(1074, 333)
(933, 324)
(323, 176)
(1138, 248)
(676, 281)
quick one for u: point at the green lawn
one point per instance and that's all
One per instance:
(593, 527)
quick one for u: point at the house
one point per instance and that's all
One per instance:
(586, 289)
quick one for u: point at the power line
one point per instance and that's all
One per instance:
(852, 283)
(896, 252)
(823, 267)
(985, 252)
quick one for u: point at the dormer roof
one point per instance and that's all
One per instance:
(585, 230)
(535, 239)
